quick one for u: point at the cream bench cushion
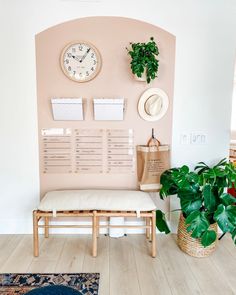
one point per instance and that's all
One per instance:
(110, 200)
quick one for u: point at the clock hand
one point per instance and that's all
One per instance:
(75, 57)
(86, 53)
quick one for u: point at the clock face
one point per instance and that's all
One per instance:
(80, 61)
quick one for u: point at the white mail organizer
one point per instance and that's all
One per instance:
(67, 109)
(108, 109)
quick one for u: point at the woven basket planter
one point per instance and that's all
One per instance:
(191, 246)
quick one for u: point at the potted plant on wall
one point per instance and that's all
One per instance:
(204, 204)
(144, 63)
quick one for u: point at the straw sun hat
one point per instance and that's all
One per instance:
(153, 104)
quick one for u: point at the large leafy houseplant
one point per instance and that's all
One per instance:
(203, 199)
(144, 59)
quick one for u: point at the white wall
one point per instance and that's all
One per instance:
(233, 112)
(206, 40)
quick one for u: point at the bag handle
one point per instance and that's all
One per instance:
(153, 141)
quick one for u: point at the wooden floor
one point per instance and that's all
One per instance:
(125, 264)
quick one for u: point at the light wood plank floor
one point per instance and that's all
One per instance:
(125, 264)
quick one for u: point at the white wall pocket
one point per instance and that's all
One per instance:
(109, 109)
(67, 109)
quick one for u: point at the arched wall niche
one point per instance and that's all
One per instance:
(111, 35)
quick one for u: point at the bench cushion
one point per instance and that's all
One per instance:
(112, 200)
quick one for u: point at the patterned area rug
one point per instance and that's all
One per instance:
(19, 284)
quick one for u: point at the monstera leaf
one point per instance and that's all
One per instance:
(216, 175)
(208, 238)
(161, 223)
(179, 177)
(234, 236)
(188, 206)
(209, 198)
(201, 167)
(197, 224)
(231, 173)
(168, 185)
(226, 217)
(184, 179)
(178, 181)
(227, 199)
(190, 199)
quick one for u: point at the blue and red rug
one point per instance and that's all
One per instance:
(19, 284)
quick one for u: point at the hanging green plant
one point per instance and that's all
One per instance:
(144, 59)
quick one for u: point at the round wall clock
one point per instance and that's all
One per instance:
(80, 61)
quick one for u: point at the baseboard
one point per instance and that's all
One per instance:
(15, 226)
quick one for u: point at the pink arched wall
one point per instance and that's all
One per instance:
(111, 35)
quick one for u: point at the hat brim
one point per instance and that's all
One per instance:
(145, 96)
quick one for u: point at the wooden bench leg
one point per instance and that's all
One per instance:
(98, 229)
(148, 228)
(94, 225)
(154, 234)
(35, 234)
(46, 229)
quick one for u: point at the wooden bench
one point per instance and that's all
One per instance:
(95, 204)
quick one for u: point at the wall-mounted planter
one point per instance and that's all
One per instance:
(140, 79)
(144, 58)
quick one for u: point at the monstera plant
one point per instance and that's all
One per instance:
(203, 198)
